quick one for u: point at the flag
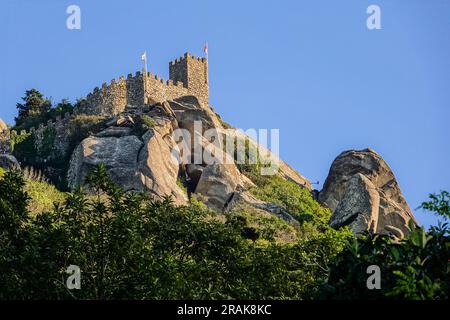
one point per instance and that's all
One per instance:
(205, 48)
(144, 56)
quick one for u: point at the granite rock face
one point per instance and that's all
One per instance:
(359, 206)
(119, 155)
(154, 162)
(363, 193)
(217, 184)
(158, 170)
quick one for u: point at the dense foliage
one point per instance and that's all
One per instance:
(35, 109)
(416, 267)
(130, 247)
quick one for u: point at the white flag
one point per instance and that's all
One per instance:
(144, 56)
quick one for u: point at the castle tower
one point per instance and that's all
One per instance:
(193, 72)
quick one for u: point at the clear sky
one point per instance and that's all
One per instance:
(310, 68)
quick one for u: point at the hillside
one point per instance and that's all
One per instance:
(144, 187)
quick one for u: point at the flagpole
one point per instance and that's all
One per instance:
(145, 77)
(207, 66)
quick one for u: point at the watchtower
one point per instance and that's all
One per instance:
(193, 72)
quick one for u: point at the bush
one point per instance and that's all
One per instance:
(42, 196)
(23, 148)
(130, 247)
(143, 123)
(297, 200)
(415, 268)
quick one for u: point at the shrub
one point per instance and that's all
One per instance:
(23, 147)
(415, 268)
(143, 123)
(129, 247)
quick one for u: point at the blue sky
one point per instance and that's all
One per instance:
(310, 68)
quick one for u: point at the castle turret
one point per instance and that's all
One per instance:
(193, 72)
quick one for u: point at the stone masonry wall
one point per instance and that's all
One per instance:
(159, 90)
(188, 76)
(193, 72)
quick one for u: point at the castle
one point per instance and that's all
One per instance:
(188, 76)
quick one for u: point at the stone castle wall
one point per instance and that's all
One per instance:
(188, 76)
(54, 135)
(193, 72)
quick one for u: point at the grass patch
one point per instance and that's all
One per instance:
(269, 227)
(42, 195)
(297, 200)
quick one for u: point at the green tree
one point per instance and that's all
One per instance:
(63, 107)
(33, 110)
(130, 247)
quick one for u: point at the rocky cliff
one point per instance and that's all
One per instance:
(141, 151)
(150, 160)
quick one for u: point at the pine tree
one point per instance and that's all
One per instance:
(34, 109)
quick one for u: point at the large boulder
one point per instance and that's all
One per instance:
(119, 155)
(158, 169)
(363, 193)
(217, 184)
(358, 207)
(132, 164)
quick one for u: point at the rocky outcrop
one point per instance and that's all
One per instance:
(154, 162)
(217, 184)
(4, 138)
(134, 163)
(363, 194)
(158, 170)
(358, 207)
(119, 155)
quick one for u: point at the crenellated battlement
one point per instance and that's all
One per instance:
(185, 57)
(187, 76)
